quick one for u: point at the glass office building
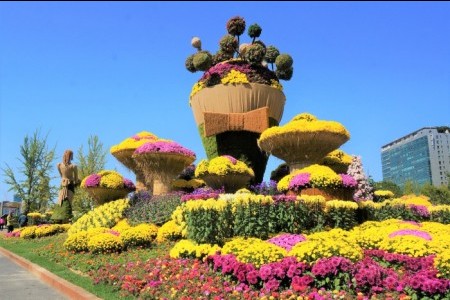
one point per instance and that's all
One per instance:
(422, 156)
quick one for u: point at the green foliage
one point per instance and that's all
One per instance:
(209, 225)
(151, 209)
(228, 44)
(90, 163)
(189, 64)
(36, 161)
(236, 26)
(292, 217)
(285, 74)
(341, 218)
(202, 60)
(219, 57)
(389, 186)
(441, 216)
(284, 62)
(271, 54)
(437, 195)
(254, 31)
(255, 53)
(411, 187)
(252, 220)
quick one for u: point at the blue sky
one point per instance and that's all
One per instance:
(112, 69)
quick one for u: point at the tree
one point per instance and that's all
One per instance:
(389, 186)
(438, 195)
(364, 189)
(34, 190)
(411, 187)
(93, 162)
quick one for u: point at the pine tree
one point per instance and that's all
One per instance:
(364, 190)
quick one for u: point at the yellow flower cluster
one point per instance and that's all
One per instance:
(213, 204)
(198, 86)
(35, 215)
(336, 242)
(77, 242)
(105, 243)
(140, 235)
(106, 215)
(178, 217)
(221, 166)
(442, 263)
(190, 249)
(337, 158)
(253, 250)
(438, 208)
(245, 199)
(407, 244)
(121, 226)
(384, 194)
(306, 123)
(339, 204)
(135, 142)
(320, 177)
(276, 84)
(31, 232)
(111, 179)
(234, 77)
(169, 231)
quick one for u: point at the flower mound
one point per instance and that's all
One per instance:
(134, 142)
(107, 179)
(164, 147)
(222, 165)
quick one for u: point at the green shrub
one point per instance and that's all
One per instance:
(152, 209)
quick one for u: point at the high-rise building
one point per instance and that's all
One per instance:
(422, 156)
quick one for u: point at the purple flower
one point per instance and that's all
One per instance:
(287, 241)
(299, 181)
(164, 147)
(420, 210)
(348, 181)
(128, 184)
(283, 198)
(422, 234)
(92, 180)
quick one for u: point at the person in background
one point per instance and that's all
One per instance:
(23, 220)
(9, 222)
(2, 223)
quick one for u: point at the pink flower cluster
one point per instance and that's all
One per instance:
(204, 196)
(164, 147)
(420, 210)
(299, 181)
(128, 184)
(422, 234)
(93, 180)
(348, 181)
(277, 199)
(287, 241)
(331, 266)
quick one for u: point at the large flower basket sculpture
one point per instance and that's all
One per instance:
(224, 172)
(107, 186)
(238, 96)
(303, 141)
(123, 152)
(162, 161)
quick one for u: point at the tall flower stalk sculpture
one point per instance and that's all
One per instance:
(238, 96)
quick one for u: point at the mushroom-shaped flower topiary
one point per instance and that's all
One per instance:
(224, 171)
(162, 161)
(304, 140)
(106, 186)
(319, 180)
(123, 152)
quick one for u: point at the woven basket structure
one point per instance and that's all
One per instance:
(161, 168)
(125, 156)
(329, 194)
(300, 149)
(102, 195)
(231, 182)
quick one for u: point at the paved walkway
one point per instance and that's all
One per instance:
(22, 279)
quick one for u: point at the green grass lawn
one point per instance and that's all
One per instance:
(49, 253)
